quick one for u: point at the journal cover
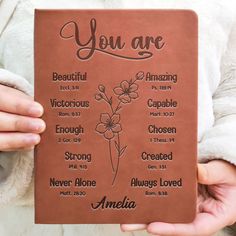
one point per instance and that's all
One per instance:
(119, 90)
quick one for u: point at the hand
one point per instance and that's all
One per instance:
(19, 123)
(216, 206)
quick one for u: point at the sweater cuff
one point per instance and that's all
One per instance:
(17, 184)
(17, 168)
(219, 142)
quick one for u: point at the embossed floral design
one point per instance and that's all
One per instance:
(109, 126)
(98, 96)
(126, 91)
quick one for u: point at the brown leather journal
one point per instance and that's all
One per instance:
(119, 91)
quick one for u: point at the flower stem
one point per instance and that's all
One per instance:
(112, 165)
(116, 108)
(118, 161)
(133, 82)
(107, 101)
(117, 167)
(118, 139)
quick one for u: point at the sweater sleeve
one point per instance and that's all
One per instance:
(16, 168)
(220, 141)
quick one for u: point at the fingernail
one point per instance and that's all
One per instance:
(37, 125)
(36, 110)
(32, 139)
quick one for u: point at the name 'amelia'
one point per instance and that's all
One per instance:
(104, 203)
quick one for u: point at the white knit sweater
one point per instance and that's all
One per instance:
(217, 97)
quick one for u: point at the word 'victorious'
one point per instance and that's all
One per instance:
(102, 43)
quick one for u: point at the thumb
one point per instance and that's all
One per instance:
(216, 172)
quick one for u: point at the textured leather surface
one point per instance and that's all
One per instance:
(148, 118)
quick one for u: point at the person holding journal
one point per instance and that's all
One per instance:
(21, 125)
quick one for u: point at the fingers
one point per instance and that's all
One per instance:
(132, 227)
(213, 214)
(16, 102)
(166, 229)
(216, 172)
(18, 141)
(19, 122)
(204, 225)
(11, 122)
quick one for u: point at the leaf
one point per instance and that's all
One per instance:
(116, 145)
(122, 150)
(118, 108)
(110, 101)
